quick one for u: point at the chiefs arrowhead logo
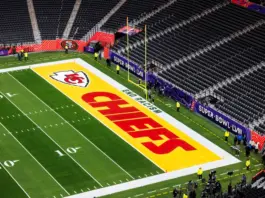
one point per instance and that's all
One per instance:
(70, 77)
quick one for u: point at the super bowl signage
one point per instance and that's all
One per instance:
(72, 45)
(220, 119)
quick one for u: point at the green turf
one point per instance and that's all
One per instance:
(127, 157)
(28, 173)
(8, 187)
(194, 121)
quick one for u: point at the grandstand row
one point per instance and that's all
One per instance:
(212, 51)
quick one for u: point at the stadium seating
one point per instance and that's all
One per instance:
(177, 12)
(89, 14)
(52, 17)
(134, 9)
(260, 128)
(244, 99)
(175, 44)
(15, 26)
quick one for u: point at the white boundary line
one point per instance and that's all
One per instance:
(34, 158)
(71, 125)
(53, 140)
(227, 159)
(14, 180)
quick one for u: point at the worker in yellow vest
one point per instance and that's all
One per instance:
(226, 136)
(178, 106)
(199, 173)
(118, 69)
(185, 196)
(96, 56)
(26, 56)
(248, 164)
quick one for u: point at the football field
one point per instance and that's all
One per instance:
(66, 128)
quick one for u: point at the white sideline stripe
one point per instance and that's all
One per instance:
(14, 180)
(98, 119)
(34, 158)
(227, 159)
(71, 126)
(54, 141)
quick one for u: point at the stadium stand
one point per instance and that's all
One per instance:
(15, 26)
(167, 18)
(244, 98)
(52, 17)
(134, 9)
(87, 17)
(261, 127)
(175, 44)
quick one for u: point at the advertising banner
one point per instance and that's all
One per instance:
(222, 120)
(3, 52)
(89, 49)
(122, 61)
(129, 30)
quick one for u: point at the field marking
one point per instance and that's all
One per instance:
(71, 125)
(14, 179)
(53, 140)
(153, 179)
(97, 118)
(34, 158)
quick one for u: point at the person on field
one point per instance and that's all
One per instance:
(176, 192)
(96, 56)
(19, 56)
(26, 56)
(178, 106)
(226, 135)
(257, 147)
(184, 195)
(118, 69)
(235, 140)
(199, 173)
(66, 49)
(108, 62)
(248, 164)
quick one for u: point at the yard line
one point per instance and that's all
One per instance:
(34, 158)
(72, 126)
(14, 180)
(52, 140)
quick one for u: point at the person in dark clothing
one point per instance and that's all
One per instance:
(244, 180)
(175, 193)
(108, 62)
(235, 140)
(248, 150)
(19, 56)
(244, 140)
(229, 189)
(192, 194)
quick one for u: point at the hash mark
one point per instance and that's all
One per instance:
(75, 192)
(88, 189)
(95, 187)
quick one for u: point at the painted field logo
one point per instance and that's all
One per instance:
(70, 77)
(136, 123)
